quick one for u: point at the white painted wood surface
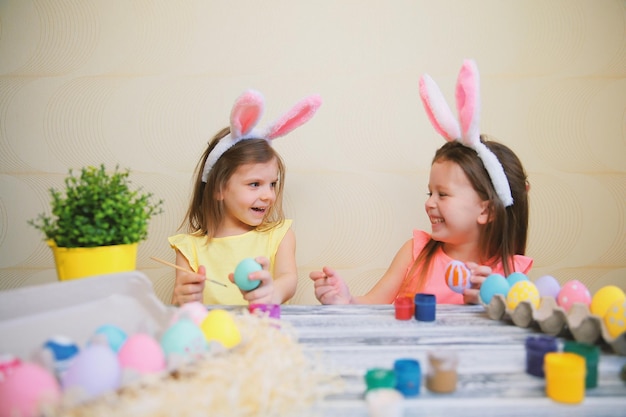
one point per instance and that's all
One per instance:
(492, 359)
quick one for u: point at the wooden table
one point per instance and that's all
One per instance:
(492, 359)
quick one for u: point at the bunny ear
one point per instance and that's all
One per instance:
(246, 113)
(438, 110)
(468, 102)
(297, 116)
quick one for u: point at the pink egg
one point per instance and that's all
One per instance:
(573, 292)
(95, 370)
(26, 388)
(8, 363)
(458, 276)
(195, 310)
(142, 353)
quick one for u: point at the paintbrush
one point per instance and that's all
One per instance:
(183, 269)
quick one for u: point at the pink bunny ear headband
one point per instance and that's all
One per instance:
(245, 115)
(468, 107)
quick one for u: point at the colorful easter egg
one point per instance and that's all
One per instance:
(522, 291)
(195, 310)
(458, 276)
(242, 272)
(95, 371)
(219, 326)
(572, 292)
(184, 338)
(8, 363)
(58, 353)
(142, 353)
(515, 277)
(548, 286)
(113, 335)
(615, 319)
(492, 285)
(26, 389)
(604, 298)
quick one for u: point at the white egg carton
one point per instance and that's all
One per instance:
(553, 320)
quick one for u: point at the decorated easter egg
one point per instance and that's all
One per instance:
(604, 298)
(58, 353)
(195, 310)
(492, 285)
(113, 335)
(8, 363)
(243, 270)
(219, 326)
(184, 338)
(615, 318)
(458, 276)
(26, 389)
(515, 277)
(142, 353)
(572, 292)
(95, 371)
(522, 291)
(548, 286)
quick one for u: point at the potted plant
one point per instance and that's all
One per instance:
(97, 223)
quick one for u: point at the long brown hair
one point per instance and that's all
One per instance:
(205, 212)
(506, 232)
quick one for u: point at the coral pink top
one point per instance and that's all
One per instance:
(436, 283)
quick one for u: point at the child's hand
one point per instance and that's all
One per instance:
(330, 288)
(189, 286)
(479, 274)
(264, 293)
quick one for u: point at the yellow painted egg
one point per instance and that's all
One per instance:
(615, 318)
(604, 298)
(219, 326)
(522, 291)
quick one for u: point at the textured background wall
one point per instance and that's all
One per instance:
(146, 83)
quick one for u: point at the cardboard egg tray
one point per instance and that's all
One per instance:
(553, 320)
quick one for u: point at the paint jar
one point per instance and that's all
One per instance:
(565, 377)
(442, 375)
(404, 308)
(536, 348)
(591, 353)
(273, 310)
(425, 307)
(408, 376)
(380, 378)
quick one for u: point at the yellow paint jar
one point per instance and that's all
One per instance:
(565, 377)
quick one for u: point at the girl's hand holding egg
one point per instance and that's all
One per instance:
(479, 274)
(253, 278)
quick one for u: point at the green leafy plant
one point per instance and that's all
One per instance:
(98, 209)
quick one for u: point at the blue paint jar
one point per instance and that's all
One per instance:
(408, 376)
(536, 348)
(425, 306)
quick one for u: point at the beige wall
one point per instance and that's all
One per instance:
(146, 83)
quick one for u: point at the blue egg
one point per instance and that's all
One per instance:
(184, 338)
(63, 351)
(243, 270)
(113, 334)
(516, 277)
(493, 284)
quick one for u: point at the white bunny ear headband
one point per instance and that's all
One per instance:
(467, 132)
(245, 115)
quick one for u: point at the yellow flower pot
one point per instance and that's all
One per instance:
(74, 263)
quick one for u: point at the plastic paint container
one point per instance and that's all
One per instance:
(591, 353)
(380, 378)
(404, 308)
(273, 310)
(408, 376)
(441, 376)
(536, 348)
(425, 307)
(565, 377)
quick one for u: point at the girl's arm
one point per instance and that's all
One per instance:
(188, 286)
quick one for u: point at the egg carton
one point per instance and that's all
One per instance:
(553, 320)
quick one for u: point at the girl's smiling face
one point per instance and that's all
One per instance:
(248, 196)
(454, 208)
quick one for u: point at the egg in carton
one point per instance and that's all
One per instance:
(554, 320)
